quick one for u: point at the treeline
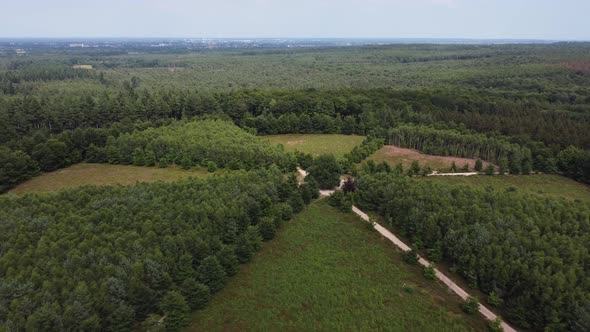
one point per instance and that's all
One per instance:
(23, 158)
(103, 258)
(544, 133)
(211, 143)
(468, 145)
(15, 167)
(10, 80)
(516, 116)
(528, 253)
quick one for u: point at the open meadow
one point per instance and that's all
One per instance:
(327, 270)
(316, 144)
(549, 185)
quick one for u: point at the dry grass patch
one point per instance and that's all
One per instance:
(394, 155)
(101, 175)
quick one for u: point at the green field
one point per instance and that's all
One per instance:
(545, 184)
(101, 175)
(328, 271)
(317, 144)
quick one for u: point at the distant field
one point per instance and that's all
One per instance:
(544, 184)
(394, 155)
(317, 144)
(101, 175)
(327, 271)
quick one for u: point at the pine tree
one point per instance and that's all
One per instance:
(212, 274)
(478, 165)
(176, 311)
(196, 294)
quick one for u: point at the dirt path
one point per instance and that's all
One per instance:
(488, 314)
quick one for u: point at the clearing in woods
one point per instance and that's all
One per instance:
(101, 175)
(316, 144)
(394, 155)
(549, 185)
(325, 271)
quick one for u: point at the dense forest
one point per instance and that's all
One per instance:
(453, 143)
(121, 258)
(102, 258)
(208, 143)
(530, 252)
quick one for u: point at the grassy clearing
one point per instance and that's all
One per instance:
(544, 184)
(101, 175)
(327, 271)
(394, 155)
(317, 144)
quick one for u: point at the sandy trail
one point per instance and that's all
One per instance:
(487, 313)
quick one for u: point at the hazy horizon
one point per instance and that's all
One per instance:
(346, 19)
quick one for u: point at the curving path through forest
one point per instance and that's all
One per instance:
(487, 313)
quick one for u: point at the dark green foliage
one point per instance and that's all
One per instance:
(494, 300)
(228, 259)
(414, 168)
(304, 159)
(478, 165)
(490, 170)
(482, 234)
(176, 311)
(411, 257)
(196, 294)
(15, 167)
(360, 153)
(51, 155)
(575, 163)
(212, 274)
(471, 305)
(503, 165)
(429, 272)
(326, 171)
(267, 229)
(451, 142)
(340, 200)
(120, 250)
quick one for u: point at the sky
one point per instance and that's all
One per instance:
(477, 19)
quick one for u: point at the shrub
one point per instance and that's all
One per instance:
(429, 272)
(471, 305)
(411, 257)
(496, 325)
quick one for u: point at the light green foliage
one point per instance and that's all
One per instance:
(209, 143)
(302, 273)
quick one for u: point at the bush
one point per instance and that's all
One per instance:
(471, 305)
(496, 325)
(211, 167)
(478, 165)
(341, 201)
(411, 257)
(429, 272)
